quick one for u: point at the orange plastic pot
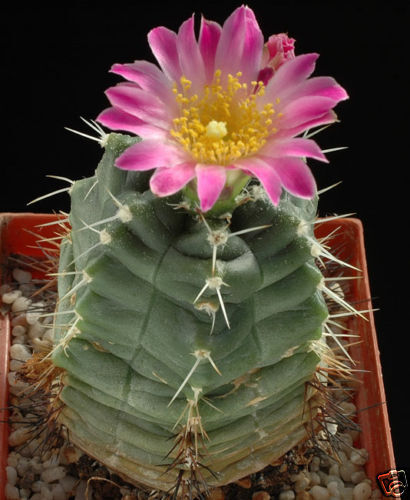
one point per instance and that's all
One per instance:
(370, 396)
(16, 237)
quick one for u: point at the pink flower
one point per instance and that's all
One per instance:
(278, 49)
(207, 121)
(281, 49)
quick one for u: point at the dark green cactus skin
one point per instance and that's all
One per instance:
(131, 329)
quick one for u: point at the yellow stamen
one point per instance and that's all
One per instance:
(225, 123)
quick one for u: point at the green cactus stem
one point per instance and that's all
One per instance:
(173, 324)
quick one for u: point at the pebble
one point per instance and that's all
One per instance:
(49, 336)
(347, 493)
(25, 451)
(36, 331)
(15, 365)
(34, 315)
(358, 476)
(18, 340)
(297, 477)
(334, 470)
(261, 495)
(332, 427)
(20, 319)
(68, 483)
(13, 459)
(303, 495)
(319, 493)
(46, 494)
(22, 466)
(19, 436)
(346, 471)
(301, 484)
(18, 331)
(342, 457)
(11, 475)
(20, 352)
(21, 276)
(37, 485)
(24, 493)
(334, 479)
(58, 492)
(314, 478)
(287, 495)
(314, 465)
(349, 409)
(362, 491)
(347, 445)
(53, 474)
(21, 304)
(244, 482)
(36, 465)
(334, 489)
(323, 477)
(10, 297)
(12, 493)
(50, 462)
(359, 457)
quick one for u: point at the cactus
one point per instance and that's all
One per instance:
(189, 312)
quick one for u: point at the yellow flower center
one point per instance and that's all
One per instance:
(224, 124)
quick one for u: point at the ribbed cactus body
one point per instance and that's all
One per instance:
(130, 333)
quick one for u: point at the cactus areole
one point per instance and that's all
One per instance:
(190, 304)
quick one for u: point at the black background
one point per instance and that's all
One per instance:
(55, 69)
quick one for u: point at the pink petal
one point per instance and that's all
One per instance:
(303, 110)
(211, 181)
(326, 118)
(209, 35)
(290, 74)
(149, 77)
(324, 86)
(228, 55)
(163, 43)
(190, 58)
(116, 119)
(298, 147)
(137, 102)
(266, 174)
(241, 45)
(253, 48)
(149, 154)
(167, 181)
(294, 175)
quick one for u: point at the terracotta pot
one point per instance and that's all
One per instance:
(370, 396)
